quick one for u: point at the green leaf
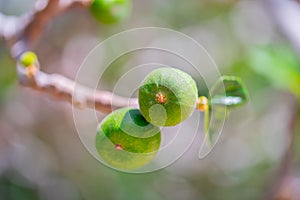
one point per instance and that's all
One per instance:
(229, 91)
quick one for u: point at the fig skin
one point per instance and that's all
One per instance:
(126, 141)
(110, 11)
(167, 96)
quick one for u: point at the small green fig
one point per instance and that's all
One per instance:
(28, 58)
(125, 140)
(167, 96)
(110, 11)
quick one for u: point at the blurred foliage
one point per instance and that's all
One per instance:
(179, 15)
(7, 73)
(279, 64)
(11, 190)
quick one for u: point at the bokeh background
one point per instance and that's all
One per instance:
(257, 157)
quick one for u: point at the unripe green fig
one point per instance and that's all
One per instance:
(110, 11)
(28, 58)
(167, 96)
(126, 141)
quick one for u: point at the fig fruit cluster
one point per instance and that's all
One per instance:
(129, 138)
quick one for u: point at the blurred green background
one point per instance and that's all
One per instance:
(41, 156)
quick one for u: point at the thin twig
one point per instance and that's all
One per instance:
(65, 89)
(21, 32)
(44, 13)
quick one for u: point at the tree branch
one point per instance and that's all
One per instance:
(65, 89)
(21, 32)
(45, 12)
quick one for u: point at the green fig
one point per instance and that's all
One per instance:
(110, 11)
(126, 141)
(28, 58)
(167, 96)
